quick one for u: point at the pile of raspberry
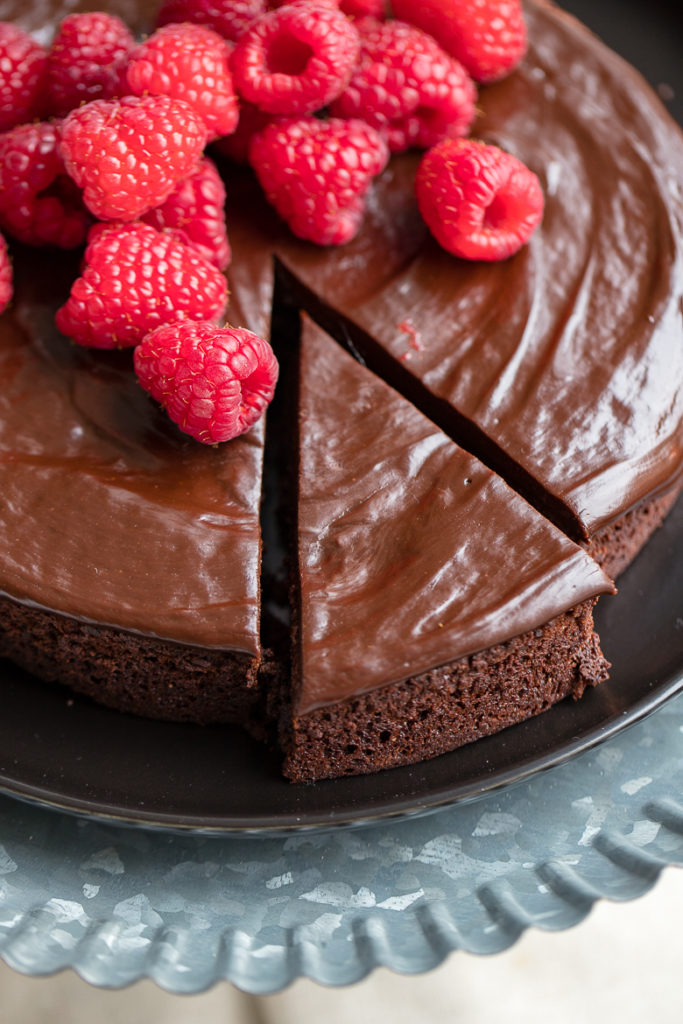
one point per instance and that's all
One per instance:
(103, 145)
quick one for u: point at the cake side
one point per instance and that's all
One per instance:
(136, 674)
(438, 711)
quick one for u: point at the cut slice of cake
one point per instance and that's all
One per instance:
(432, 604)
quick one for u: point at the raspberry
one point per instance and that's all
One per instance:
(188, 62)
(5, 276)
(315, 174)
(23, 66)
(230, 18)
(295, 59)
(39, 203)
(136, 278)
(251, 120)
(196, 211)
(407, 87)
(87, 61)
(128, 155)
(213, 382)
(478, 201)
(488, 37)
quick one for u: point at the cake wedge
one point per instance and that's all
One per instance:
(432, 605)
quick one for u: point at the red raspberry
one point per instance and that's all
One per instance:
(196, 211)
(315, 173)
(229, 18)
(295, 59)
(408, 88)
(39, 203)
(478, 201)
(136, 278)
(488, 37)
(213, 382)
(23, 64)
(188, 62)
(128, 155)
(5, 276)
(236, 146)
(87, 61)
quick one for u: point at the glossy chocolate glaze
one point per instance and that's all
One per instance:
(563, 366)
(407, 540)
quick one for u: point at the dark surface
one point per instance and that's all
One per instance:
(63, 750)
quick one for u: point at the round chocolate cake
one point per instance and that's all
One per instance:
(457, 496)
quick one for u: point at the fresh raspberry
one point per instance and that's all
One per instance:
(251, 120)
(407, 87)
(128, 155)
(188, 62)
(87, 61)
(5, 276)
(478, 201)
(296, 59)
(196, 211)
(230, 18)
(315, 173)
(136, 278)
(488, 37)
(23, 67)
(39, 203)
(213, 382)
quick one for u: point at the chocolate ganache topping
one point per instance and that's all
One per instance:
(563, 366)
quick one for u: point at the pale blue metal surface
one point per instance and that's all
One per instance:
(117, 904)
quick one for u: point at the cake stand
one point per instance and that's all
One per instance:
(118, 903)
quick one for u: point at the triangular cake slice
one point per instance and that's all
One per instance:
(433, 605)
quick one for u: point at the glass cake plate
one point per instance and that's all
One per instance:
(237, 875)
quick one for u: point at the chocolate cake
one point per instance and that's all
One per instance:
(133, 564)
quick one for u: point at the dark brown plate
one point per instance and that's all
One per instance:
(65, 751)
